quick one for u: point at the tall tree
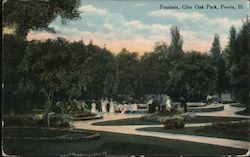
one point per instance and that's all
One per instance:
(223, 82)
(12, 54)
(238, 62)
(216, 48)
(176, 42)
(128, 74)
(28, 15)
(194, 76)
(43, 70)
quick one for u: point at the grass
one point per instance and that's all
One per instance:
(238, 105)
(238, 131)
(32, 132)
(244, 112)
(114, 143)
(139, 121)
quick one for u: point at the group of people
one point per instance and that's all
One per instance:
(154, 104)
(164, 102)
(110, 106)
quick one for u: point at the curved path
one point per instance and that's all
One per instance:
(229, 111)
(131, 129)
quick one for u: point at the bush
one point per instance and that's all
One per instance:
(23, 120)
(84, 113)
(227, 128)
(174, 123)
(173, 111)
(188, 116)
(60, 121)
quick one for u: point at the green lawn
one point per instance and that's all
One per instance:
(113, 143)
(139, 121)
(238, 105)
(244, 112)
(238, 131)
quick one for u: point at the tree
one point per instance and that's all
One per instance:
(216, 48)
(28, 15)
(12, 54)
(176, 42)
(223, 82)
(238, 63)
(128, 74)
(194, 76)
(43, 70)
(151, 74)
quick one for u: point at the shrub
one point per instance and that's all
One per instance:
(174, 123)
(23, 120)
(60, 121)
(84, 113)
(173, 111)
(188, 116)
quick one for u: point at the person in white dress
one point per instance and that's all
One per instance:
(93, 107)
(103, 105)
(111, 106)
(168, 103)
(134, 107)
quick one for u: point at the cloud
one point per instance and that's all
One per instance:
(138, 5)
(117, 32)
(180, 16)
(196, 18)
(93, 10)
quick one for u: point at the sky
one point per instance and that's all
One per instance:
(138, 24)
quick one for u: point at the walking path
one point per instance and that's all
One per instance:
(229, 111)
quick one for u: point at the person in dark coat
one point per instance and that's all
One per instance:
(184, 104)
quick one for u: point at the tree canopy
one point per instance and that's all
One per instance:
(28, 15)
(238, 62)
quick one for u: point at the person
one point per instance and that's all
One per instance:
(168, 103)
(93, 107)
(123, 107)
(134, 107)
(103, 105)
(183, 104)
(107, 104)
(111, 106)
(150, 105)
(209, 99)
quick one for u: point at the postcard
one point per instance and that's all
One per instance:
(130, 78)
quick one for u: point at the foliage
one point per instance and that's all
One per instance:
(22, 120)
(128, 73)
(37, 15)
(237, 128)
(12, 54)
(174, 123)
(194, 76)
(238, 62)
(223, 81)
(58, 70)
(176, 42)
(61, 121)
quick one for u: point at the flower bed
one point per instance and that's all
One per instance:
(47, 134)
(174, 123)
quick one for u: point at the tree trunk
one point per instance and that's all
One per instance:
(48, 104)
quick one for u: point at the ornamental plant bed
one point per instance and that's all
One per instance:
(47, 134)
(174, 123)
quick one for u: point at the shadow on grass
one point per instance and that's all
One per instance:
(140, 121)
(237, 131)
(114, 143)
